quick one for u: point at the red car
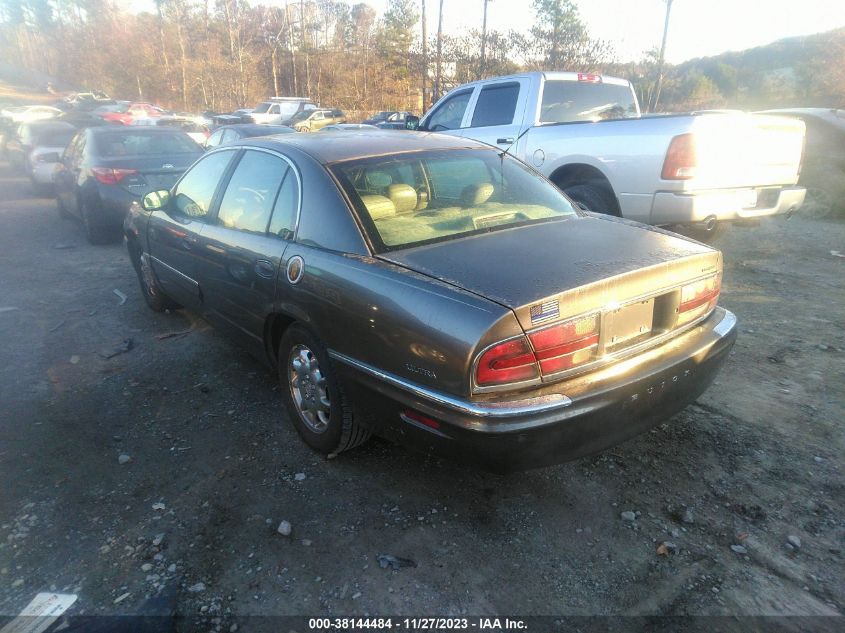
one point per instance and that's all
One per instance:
(129, 113)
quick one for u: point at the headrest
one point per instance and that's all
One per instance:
(378, 179)
(378, 206)
(473, 195)
(403, 197)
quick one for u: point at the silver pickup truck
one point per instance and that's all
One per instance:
(585, 132)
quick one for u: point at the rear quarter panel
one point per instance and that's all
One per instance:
(402, 322)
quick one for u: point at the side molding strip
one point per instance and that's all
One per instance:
(507, 409)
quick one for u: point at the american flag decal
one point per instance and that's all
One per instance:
(545, 311)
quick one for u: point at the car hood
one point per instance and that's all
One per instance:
(582, 262)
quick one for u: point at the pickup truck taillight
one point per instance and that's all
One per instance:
(681, 159)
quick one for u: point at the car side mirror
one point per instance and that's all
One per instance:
(156, 200)
(412, 122)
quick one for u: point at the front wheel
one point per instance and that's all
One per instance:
(314, 397)
(153, 294)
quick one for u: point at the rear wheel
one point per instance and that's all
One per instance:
(96, 233)
(153, 294)
(593, 198)
(314, 397)
(60, 207)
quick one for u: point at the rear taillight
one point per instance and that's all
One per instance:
(596, 79)
(551, 350)
(566, 345)
(681, 159)
(109, 176)
(508, 362)
(698, 299)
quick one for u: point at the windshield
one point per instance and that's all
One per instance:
(301, 116)
(138, 144)
(433, 196)
(569, 101)
(262, 107)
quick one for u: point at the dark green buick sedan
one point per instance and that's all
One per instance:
(436, 291)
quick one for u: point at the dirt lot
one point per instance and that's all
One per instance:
(190, 522)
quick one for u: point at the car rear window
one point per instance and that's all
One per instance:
(54, 138)
(139, 144)
(571, 101)
(425, 197)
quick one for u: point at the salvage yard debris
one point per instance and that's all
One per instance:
(125, 346)
(167, 335)
(394, 562)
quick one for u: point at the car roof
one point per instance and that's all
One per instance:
(133, 129)
(56, 124)
(325, 148)
(260, 128)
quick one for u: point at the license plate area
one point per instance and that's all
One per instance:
(628, 324)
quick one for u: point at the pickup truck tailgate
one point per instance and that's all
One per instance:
(741, 150)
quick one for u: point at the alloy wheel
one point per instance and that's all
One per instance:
(309, 389)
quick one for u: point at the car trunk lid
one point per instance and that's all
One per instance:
(151, 173)
(550, 272)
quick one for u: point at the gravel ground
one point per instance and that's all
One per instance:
(161, 475)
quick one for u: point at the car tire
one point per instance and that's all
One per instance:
(60, 207)
(593, 198)
(314, 397)
(97, 234)
(155, 297)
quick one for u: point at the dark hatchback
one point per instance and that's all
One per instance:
(232, 133)
(436, 291)
(106, 169)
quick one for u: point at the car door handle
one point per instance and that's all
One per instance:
(508, 140)
(264, 268)
(188, 242)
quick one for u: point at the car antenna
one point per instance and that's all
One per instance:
(506, 151)
(515, 141)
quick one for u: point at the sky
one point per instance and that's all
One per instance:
(698, 28)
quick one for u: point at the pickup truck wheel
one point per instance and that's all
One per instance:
(153, 294)
(593, 198)
(314, 397)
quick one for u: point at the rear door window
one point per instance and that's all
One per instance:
(286, 209)
(496, 105)
(251, 192)
(194, 193)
